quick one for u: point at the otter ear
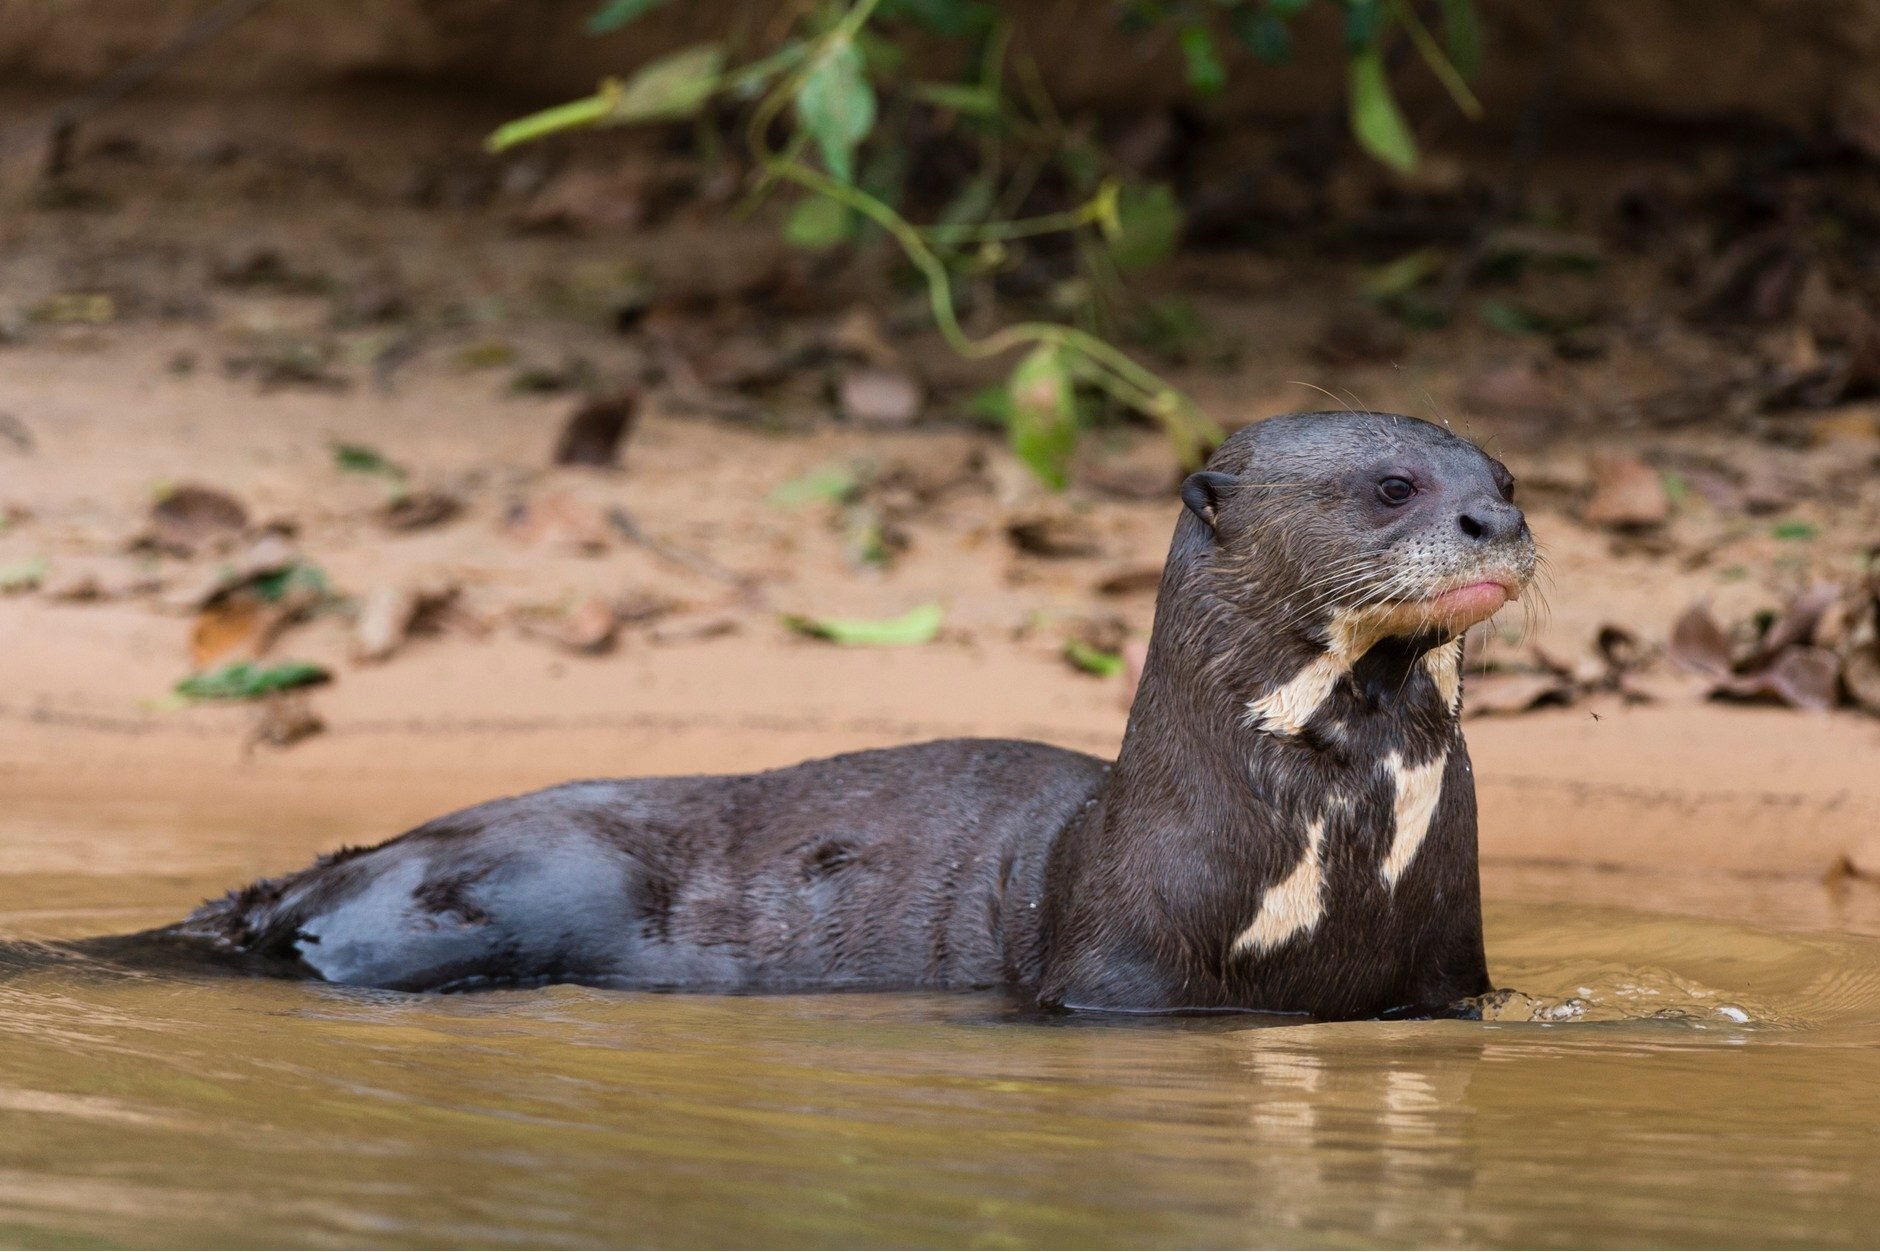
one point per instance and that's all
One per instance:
(1203, 492)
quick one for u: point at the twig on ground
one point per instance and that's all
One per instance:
(629, 529)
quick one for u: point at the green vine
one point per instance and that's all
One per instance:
(824, 77)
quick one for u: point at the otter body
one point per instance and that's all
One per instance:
(907, 867)
(1290, 824)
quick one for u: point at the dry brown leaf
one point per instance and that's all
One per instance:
(593, 433)
(1142, 580)
(283, 720)
(419, 510)
(191, 519)
(1800, 676)
(1627, 494)
(1488, 694)
(1699, 644)
(1053, 535)
(233, 627)
(1799, 620)
(1860, 658)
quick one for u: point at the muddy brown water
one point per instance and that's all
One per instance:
(1664, 1079)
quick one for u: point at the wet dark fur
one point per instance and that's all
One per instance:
(977, 863)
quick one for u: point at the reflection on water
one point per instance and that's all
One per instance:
(1658, 1080)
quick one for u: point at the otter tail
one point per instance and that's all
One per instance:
(182, 949)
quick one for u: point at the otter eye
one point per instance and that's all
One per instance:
(1395, 490)
(1507, 490)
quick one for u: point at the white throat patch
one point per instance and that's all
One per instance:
(1419, 787)
(1291, 906)
(1444, 666)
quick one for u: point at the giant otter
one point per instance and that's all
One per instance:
(1290, 825)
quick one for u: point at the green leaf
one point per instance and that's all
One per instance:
(1794, 531)
(1462, 37)
(1206, 75)
(1043, 426)
(247, 680)
(1149, 225)
(673, 86)
(613, 14)
(1093, 660)
(831, 484)
(836, 107)
(1408, 272)
(972, 99)
(300, 576)
(914, 627)
(818, 223)
(1265, 34)
(22, 575)
(991, 406)
(1375, 118)
(358, 458)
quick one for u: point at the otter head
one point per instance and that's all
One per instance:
(1356, 527)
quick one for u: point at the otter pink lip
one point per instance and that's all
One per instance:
(1478, 599)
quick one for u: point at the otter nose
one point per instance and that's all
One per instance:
(1489, 520)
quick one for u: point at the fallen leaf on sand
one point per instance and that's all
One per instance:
(22, 575)
(1699, 644)
(1052, 535)
(1489, 694)
(359, 458)
(916, 626)
(830, 484)
(1143, 580)
(696, 629)
(385, 618)
(1860, 655)
(1627, 494)
(1091, 661)
(283, 720)
(270, 560)
(245, 680)
(1800, 620)
(589, 625)
(594, 432)
(886, 396)
(1802, 677)
(643, 608)
(191, 519)
(15, 433)
(419, 510)
(228, 627)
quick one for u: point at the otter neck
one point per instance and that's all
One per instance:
(1227, 674)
